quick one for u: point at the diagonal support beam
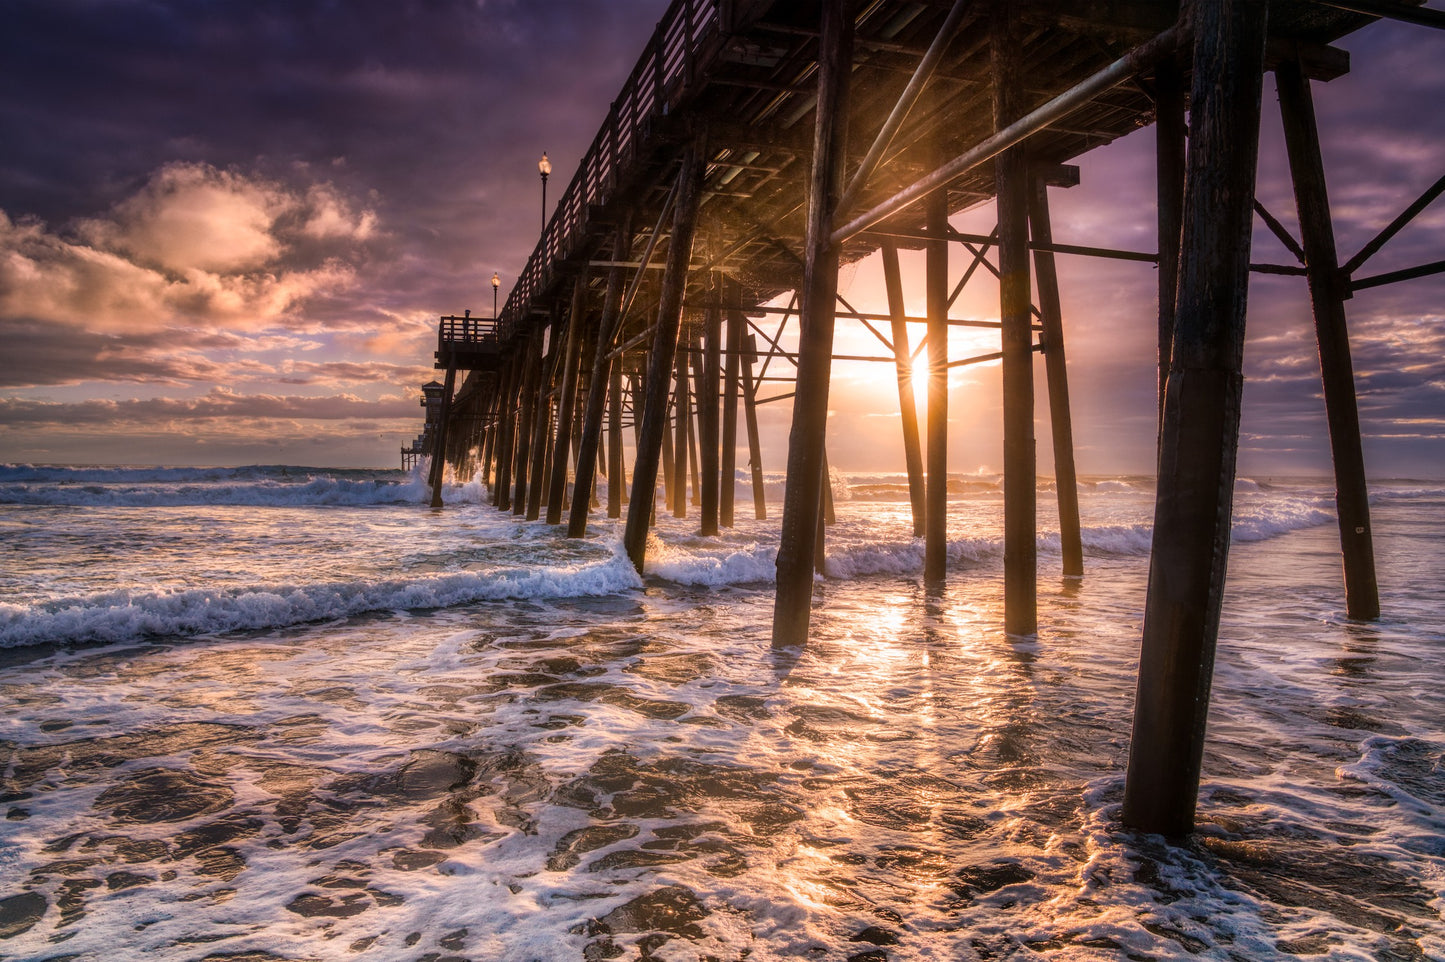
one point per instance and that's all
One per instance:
(905, 103)
(1136, 61)
(1395, 226)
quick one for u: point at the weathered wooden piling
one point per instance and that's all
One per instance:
(907, 403)
(681, 420)
(616, 483)
(1061, 426)
(526, 425)
(605, 379)
(490, 417)
(1200, 435)
(567, 406)
(439, 457)
(1329, 287)
(1170, 135)
(755, 447)
(502, 486)
(669, 461)
(1020, 493)
(732, 373)
(935, 282)
(709, 427)
(661, 358)
(792, 608)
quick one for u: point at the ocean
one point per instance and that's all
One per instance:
(279, 712)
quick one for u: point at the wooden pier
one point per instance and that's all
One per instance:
(758, 146)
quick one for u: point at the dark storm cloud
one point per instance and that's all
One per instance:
(369, 163)
(38, 353)
(435, 110)
(275, 191)
(41, 354)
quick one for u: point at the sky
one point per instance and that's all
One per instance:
(227, 230)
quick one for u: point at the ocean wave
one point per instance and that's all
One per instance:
(896, 489)
(1258, 520)
(904, 558)
(230, 490)
(132, 615)
(142, 474)
(701, 562)
(1415, 492)
(1407, 770)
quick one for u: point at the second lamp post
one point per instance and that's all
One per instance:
(544, 167)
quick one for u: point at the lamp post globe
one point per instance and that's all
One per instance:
(496, 283)
(544, 167)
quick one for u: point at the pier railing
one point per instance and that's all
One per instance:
(467, 343)
(654, 88)
(467, 330)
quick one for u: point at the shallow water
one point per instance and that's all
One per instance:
(575, 765)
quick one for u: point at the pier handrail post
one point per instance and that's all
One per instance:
(792, 608)
(1200, 437)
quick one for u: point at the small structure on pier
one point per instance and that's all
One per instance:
(761, 145)
(412, 454)
(422, 445)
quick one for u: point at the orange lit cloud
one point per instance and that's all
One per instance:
(218, 403)
(195, 247)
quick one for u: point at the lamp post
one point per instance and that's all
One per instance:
(544, 167)
(496, 283)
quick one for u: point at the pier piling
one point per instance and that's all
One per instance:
(1329, 288)
(1020, 492)
(664, 347)
(1200, 437)
(792, 608)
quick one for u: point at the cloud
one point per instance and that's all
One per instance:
(352, 372)
(218, 403)
(41, 354)
(193, 218)
(44, 354)
(194, 247)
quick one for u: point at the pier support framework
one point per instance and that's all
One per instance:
(698, 353)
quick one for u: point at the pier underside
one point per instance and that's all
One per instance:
(759, 147)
